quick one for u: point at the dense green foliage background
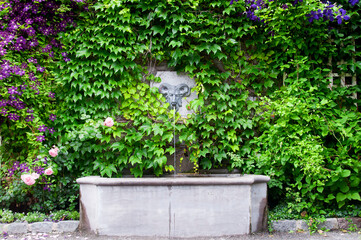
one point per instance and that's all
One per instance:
(264, 102)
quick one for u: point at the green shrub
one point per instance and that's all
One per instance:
(8, 216)
(310, 148)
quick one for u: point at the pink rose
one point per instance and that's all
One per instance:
(48, 171)
(53, 152)
(108, 122)
(28, 179)
(35, 175)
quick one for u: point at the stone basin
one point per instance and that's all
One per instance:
(184, 206)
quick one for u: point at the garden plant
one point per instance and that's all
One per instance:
(277, 85)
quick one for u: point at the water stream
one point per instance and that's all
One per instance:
(174, 161)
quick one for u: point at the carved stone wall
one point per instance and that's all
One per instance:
(177, 89)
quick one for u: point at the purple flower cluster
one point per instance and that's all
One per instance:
(46, 184)
(27, 19)
(342, 16)
(296, 2)
(26, 168)
(326, 14)
(7, 69)
(353, 2)
(65, 57)
(51, 130)
(13, 116)
(251, 6)
(40, 138)
(31, 27)
(43, 129)
(19, 167)
(40, 68)
(4, 111)
(52, 117)
(51, 95)
(12, 102)
(29, 118)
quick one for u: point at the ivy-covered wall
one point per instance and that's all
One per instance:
(265, 105)
(113, 58)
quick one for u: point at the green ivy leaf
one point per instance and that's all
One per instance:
(158, 130)
(158, 30)
(345, 173)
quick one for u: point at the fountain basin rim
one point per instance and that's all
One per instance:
(232, 179)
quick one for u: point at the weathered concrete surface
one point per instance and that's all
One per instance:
(39, 227)
(16, 228)
(349, 223)
(43, 227)
(66, 226)
(259, 207)
(174, 207)
(284, 225)
(330, 223)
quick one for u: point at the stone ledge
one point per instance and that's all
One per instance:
(71, 226)
(39, 227)
(330, 224)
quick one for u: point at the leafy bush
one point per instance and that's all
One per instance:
(309, 147)
(8, 216)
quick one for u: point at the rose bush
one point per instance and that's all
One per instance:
(30, 44)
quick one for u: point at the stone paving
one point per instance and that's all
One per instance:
(39, 227)
(329, 224)
(333, 235)
(284, 230)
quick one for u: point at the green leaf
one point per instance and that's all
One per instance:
(118, 146)
(159, 152)
(146, 128)
(158, 130)
(214, 48)
(137, 172)
(134, 159)
(161, 161)
(345, 173)
(340, 197)
(355, 196)
(355, 181)
(158, 30)
(108, 170)
(174, 43)
(177, 53)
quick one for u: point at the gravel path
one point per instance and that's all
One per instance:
(339, 235)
